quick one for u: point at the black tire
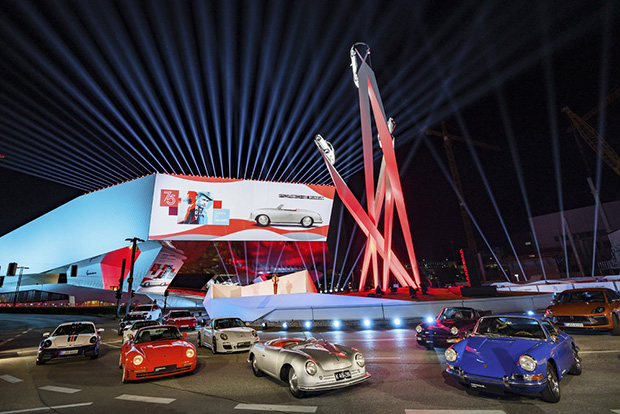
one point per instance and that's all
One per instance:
(95, 354)
(306, 221)
(293, 384)
(214, 346)
(40, 362)
(576, 368)
(551, 393)
(120, 331)
(125, 380)
(199, 342)
(255, 370)
(616, 321)
(263, 220)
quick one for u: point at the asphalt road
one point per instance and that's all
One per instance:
(405, 379)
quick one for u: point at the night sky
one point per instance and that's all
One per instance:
(96, 93)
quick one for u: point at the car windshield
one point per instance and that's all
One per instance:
(142, 324)
(143, 308)
(510, 326)
(456, 313)
(157, 334)
(228, 323)
(133, 317)
(180, 314)
(74, 329)
(581, 296)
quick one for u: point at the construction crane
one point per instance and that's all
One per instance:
(447, 144)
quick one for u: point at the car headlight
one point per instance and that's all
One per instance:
(454, 330)
(548, 311)
(311, 367)
(527, 363)
(600, 309)
(47, 343)
(93, 339)
(137, 360)
(224, 336)
(451, 355)
(190, 353)
(418, 328)
(359, 359)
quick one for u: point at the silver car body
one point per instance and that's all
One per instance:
(228, 334)
(336, 365)
(280, 215)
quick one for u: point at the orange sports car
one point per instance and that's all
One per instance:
(157, 351)
(587, 308)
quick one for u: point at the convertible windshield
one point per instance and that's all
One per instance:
(142, 324)
(229, 323)
(74, 329)
(581, 296)
(456, 313)
(510, 326)
(158, 334)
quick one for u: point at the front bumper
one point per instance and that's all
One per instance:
(328, 381)
(593, 322)
(138, 373)
(513, 383)
(45, 354)
(235, 347)
(440, 340)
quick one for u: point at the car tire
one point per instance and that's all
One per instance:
(95, 354)
(120, 331)
(254, 364)
(120, 362)
(263, 220)
(213, 346)
(576, 368)
(199, 342)
(125, 380)
(616, 329)
(551, 393)
(306, 221)
(293, 385)
(40, 362)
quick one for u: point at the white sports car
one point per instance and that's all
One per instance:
(129, 331)
(227, 335)
(70, 339)
(280, 215)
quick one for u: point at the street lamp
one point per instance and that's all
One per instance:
(134, 242)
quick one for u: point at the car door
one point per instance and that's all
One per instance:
(209, 332)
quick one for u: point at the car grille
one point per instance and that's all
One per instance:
(167, 372)
(586, 320)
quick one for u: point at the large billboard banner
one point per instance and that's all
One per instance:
(207, 208)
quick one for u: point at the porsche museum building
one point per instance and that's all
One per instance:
(191, 231)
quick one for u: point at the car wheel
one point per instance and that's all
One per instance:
(551, 393)
(40, 362)
(293, 384)
(263, 220)
(125, 379)
(120, 331)
(576, 368)
(95, 355)
(616, 329)
(214, 346)
(307, 221)
(120, 361)
(199, 340)
(255, 370)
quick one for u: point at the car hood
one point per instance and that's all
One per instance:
(576, 308)
(237, 332)
(449, 323)
(163, 350)
(70, 341)
(494, 356)
(329, 356)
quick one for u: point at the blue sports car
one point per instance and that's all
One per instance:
(514, 353)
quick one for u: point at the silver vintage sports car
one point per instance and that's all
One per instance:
(280, 215)
(308, 364)
(227, 335)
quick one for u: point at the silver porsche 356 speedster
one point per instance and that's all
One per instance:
(308, 364)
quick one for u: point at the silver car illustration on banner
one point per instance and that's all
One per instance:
(227, 335)
(280, 215)
(308, 364)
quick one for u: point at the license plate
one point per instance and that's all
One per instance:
(474, 385)
(165, 368)
(343, 375)
(573, 325)
(69, 352)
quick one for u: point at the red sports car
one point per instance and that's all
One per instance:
(157, 351)
(181, 319)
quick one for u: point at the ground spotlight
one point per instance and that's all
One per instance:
(366, 323)
(308, 324)
(336, 324)
(264, 325)
(397, 321)
(284, 325)
(530, 312)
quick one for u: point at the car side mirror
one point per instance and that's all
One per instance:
(100, 330)
(46, 335)
(184, 334)
(247, 324)
(469, 333)
(554, 338)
